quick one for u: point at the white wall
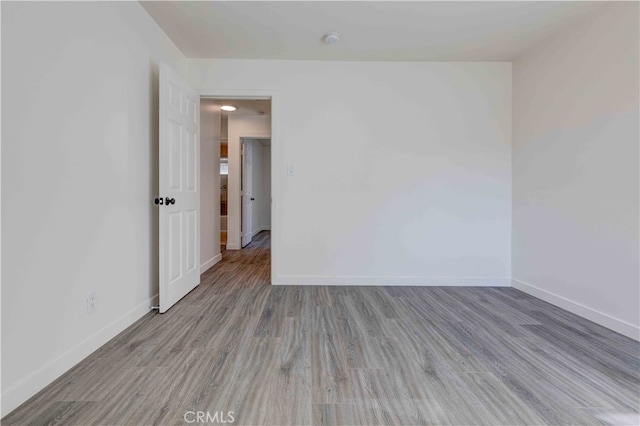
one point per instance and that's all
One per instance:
(266, 189)
(209, 184)
(402, 170)
(575, 169)
(238, 127)
(79, 149)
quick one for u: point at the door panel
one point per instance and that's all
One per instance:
(175, 236)
(191, 236)
(192, 168)
(175, 160)
(178, 188)
(247, 193)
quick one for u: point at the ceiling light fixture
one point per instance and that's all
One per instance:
(331, 38)
(228, 108)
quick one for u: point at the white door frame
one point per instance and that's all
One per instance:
(275, 161)
(241, 138)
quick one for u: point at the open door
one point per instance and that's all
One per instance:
(179, 189)
(247, 193)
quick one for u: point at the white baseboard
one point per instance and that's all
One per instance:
(209, 263)
(591, 314)
(232, 246)
(417, 281)
(13, 397)
(262, 228)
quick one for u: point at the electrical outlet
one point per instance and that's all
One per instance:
(91, 302)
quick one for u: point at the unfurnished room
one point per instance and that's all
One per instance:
(320, 212)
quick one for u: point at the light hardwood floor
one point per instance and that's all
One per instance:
(348, 355)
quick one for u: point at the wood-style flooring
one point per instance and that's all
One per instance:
(347, 355)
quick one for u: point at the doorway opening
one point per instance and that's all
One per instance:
(255, 187)
(236, 176)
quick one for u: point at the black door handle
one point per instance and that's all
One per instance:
(169, 201)
(158, 201)
(252, 199)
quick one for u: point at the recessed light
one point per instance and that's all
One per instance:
(331, 38)
(228, 108)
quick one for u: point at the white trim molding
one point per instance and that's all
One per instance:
(262, 228)
(39, 379)
(417, 281)
(591, 314)
(209, 263)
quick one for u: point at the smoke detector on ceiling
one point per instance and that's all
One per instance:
(331, 38)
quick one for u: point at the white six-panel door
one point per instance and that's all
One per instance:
(179, 188)
(247, 193)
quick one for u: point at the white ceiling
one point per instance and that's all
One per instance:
(371, 30)
(244, 106)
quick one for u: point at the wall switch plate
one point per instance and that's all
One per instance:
(91, 302)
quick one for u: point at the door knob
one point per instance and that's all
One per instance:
(169, 201)
(158, 201)
(252, 199)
